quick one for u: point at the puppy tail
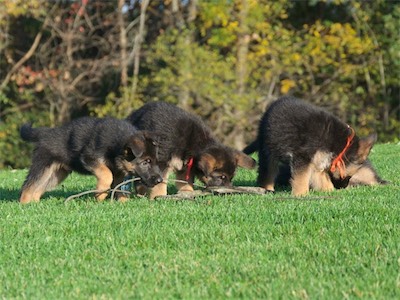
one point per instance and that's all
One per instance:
(28, 133)
(253, 147)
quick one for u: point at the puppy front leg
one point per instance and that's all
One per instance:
(104, 180)
(184, 187)
(158, 190)
(161, 188)
(320, 181)
(122, 197)
(141, 189)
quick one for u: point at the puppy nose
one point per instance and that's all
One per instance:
(157, 179)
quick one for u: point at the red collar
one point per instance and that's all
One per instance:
(338, 161)
(189, 168)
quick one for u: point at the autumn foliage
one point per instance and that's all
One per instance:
(223, 60)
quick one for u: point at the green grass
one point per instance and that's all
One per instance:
(347, 246)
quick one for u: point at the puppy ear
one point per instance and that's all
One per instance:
(136, 145)
(206, 163)
(244, 160)
(365, 146)
(151, 136)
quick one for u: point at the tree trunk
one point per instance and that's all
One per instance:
(184, 92)
(137, 46)
(242, 48)
(123, 43)
(243, 40)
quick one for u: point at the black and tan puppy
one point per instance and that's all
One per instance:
(319, 148)
(188, 148)
(107, 148)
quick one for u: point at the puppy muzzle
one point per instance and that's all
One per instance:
(151, 181)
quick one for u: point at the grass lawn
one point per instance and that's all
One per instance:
(245, 246)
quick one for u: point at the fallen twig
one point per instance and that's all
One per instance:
(115, 189)
(218, 190)
(85, 193)
(184, 181)
(206, 191)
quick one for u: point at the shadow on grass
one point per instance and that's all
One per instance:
(12, 195)
(9, 195)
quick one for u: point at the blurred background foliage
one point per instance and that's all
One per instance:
(223, 60)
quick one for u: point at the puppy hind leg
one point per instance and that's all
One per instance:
(267, 171)
(58, 175)
(41, 179)
(34, 186)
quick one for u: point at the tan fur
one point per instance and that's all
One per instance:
(158, 190)
(365, 146)
(301, 181)
(322, 160)
(184, 187)
(352, 169)
(364, 176)
(319, 178)
(208, 163)
(320, 181)
(244, 161)
(176, 163)
(127, 166)
(50, 178)
(104, 180)
(161, 188)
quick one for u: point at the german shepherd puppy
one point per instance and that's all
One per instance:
(107, 148)
(319, 148)
(188, 148)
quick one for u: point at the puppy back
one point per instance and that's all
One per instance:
(179, 129)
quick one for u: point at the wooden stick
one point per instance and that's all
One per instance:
(85, 193)
(115, 189)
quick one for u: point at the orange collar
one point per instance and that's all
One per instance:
(189, 168)
(338, 161)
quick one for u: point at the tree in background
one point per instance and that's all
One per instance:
(247, 53)
(223, 60)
